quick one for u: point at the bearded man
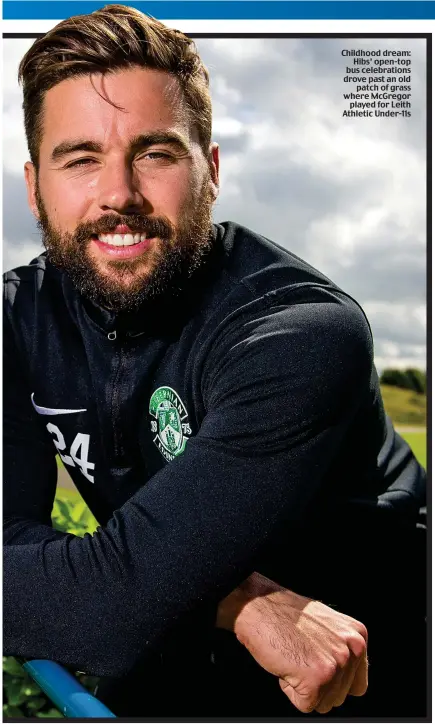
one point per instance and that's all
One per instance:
(213, 398)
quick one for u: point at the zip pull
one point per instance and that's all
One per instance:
(112, 335)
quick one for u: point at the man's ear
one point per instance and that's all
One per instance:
(213, 162)
(31, 184)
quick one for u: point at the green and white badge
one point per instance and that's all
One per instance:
(170, 422)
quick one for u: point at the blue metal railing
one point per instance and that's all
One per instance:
(64, 690)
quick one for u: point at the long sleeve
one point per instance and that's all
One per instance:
(29, 465)
(282, 388)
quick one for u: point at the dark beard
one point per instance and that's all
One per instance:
(181, 252)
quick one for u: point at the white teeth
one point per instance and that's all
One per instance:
(122, 240)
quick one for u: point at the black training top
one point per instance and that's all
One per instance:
(199, 432)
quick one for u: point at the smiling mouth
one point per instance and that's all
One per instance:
(121, 240)
(122, 246)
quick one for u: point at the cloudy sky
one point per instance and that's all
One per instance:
(346, 194)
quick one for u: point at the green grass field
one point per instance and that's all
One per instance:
(418, 445)
(404, 406)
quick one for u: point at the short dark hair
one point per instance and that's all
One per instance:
(107, 40)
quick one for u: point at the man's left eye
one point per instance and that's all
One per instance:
(155, 156)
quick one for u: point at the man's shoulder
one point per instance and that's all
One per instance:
(25, 278)
(262, 264)
(275, 296)
(31, 292)
(270, 274)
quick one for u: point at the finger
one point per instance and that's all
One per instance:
(305, 701)
(340, 688)
(347, 680)
(360, 682)
(331, 692)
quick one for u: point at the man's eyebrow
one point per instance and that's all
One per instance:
(68, 147)
(160, 137)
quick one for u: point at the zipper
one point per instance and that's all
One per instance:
(116, 397)
(115, 406)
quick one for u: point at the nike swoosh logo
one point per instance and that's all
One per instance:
(54, 411)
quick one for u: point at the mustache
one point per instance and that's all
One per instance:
(149, 225)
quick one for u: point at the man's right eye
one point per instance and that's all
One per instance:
(79, 162)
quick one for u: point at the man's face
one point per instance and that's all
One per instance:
(124, 192)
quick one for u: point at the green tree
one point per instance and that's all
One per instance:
(417, 379)
(409, 379)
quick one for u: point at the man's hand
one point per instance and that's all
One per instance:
(318, 654)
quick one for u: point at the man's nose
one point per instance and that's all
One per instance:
(119, 191)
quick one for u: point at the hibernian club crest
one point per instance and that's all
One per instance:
(170, 422)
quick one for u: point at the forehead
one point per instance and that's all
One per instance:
(116, 106)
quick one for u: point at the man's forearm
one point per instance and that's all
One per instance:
(233, 608)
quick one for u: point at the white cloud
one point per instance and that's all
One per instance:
(15, 152)
(392, 355)
(399, 333)
(225, 126)
(19, 254)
